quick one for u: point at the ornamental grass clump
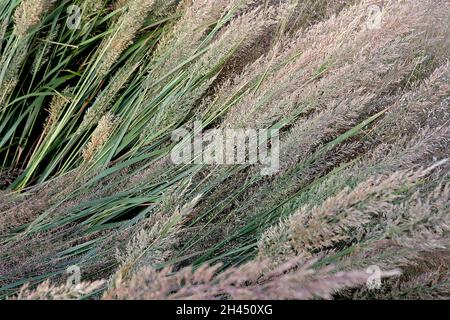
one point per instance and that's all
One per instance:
(357, 91)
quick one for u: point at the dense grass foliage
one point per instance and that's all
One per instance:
(87, 114)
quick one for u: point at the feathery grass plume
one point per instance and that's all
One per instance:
(154, 241)
(413, 108)
(29, 14)
(185, 37)
(423, 106)
(128, 26)
(325, 54)
(326, 127)
(93, 6)
(101, 134)
(426, 225)
(11, 75)
(44, 49)
(3, 28)
(420, 148)
(26, 16)
(57, 105)
(24, 208)
(418, 237)
(411, 134)
(47, 291)
(24, 256)
(398, 46)
(118, 4)
(276, 57)
(340, 115)
(163, 7)
(402, 254)
(307, 12)
(342, 219)
(231, 42)
(34, 256)
(275, 14)
(193, 32)
(105, 99)
(299, 56)
(293, 280)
